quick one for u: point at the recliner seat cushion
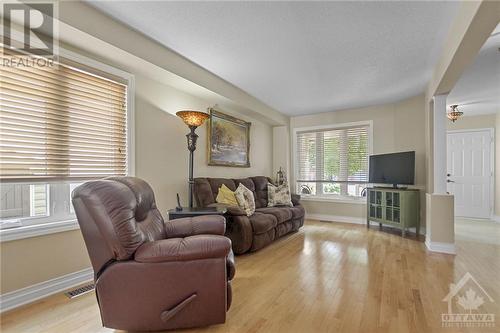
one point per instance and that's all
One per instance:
(282, 214)
(262, 223)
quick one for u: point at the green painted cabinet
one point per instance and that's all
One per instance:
(398, 208)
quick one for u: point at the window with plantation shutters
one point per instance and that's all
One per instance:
(332, 161)
(60, 122)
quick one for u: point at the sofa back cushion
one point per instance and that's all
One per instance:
(260, 194)
(206, 189)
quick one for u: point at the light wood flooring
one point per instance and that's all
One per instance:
(328, 277)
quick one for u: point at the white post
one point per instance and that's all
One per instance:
(439, 134)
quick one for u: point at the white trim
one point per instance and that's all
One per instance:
(448, 248)
(34, 230)
(360, 201)
(294, 131)
(439, 144)
(40, 290)
(336, 218)
(350, 219)
(45, 228)
(495, 218)
(492, 159)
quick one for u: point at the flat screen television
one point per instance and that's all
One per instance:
(395, 168)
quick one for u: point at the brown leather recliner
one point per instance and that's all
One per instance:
(150, 275)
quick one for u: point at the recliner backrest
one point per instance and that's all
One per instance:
(116, 215)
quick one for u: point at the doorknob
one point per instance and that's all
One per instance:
(449, 181)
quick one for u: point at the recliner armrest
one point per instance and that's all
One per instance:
(199, 225)
(183, 249)
(295, 199)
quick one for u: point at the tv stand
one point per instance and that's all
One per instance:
(396, 207)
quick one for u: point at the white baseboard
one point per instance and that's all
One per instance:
(495, 218)
(336, 218)
(350, 219)
(40, 290)
(448, 248)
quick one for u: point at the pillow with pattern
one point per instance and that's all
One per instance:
(245, 199)
(278, 195)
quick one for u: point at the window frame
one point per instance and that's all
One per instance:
(329, 197)
(42, 225)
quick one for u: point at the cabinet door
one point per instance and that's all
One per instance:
(396, 216)
(388, 198)
(371, 196)
(373, 211)
(388, 213)
(396, 199)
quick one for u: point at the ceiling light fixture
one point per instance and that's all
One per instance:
(454, 114)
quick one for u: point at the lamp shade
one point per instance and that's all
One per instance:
(192, 118)
(454, 113)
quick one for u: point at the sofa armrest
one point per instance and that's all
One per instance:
(199, 225)
(184, 249)
(295, 199)
(231, 210)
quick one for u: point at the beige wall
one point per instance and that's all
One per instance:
(161, 159)
(471, 122)
(497, 167)
(396, 127)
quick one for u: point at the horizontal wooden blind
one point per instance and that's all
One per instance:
(333, 156)
(60, 122)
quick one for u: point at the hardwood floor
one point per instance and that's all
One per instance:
(328, 277)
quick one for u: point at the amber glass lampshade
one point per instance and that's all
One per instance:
(454, 114)
(192, 118)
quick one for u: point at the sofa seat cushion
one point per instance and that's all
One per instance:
(282, 214)
(297, 212)
(262, 223)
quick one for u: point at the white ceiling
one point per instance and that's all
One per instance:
(477, 91)
(302, 57)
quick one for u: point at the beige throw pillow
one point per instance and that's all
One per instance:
(278, 195)
(226, 196)
(245, 199)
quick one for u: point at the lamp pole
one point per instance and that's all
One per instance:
(191, 141)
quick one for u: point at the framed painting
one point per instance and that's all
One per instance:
(228, 140)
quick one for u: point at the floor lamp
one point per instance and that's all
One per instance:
(193, 119)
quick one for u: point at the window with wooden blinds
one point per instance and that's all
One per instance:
(332, 161)
(61, 123)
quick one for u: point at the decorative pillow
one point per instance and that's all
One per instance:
(245, 199)
(278, 195)
(226, 196)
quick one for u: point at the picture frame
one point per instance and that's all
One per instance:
(228, 140)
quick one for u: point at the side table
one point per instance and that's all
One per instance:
(195, 211)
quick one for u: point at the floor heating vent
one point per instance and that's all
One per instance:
(80, 291)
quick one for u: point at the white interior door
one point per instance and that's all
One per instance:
(470, 172)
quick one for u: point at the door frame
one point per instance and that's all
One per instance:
(492, 160)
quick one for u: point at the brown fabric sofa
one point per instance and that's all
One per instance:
(264, 226)
(150, 276)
